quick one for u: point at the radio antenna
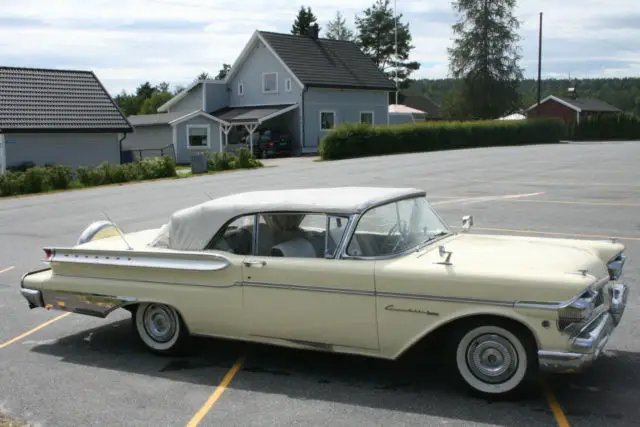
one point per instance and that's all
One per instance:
(119, 231)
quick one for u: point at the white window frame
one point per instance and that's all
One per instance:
(199, 147)
(373, 116)
(334, 119)
(263, 86)
(240, 88)
(287, 85)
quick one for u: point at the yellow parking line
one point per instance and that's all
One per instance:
(37, 328)
(553, 233)
(216, 394)
(558, 413)
(7, 269)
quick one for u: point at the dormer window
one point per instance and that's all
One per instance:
(287, 85)
(269, 82)
(240, 88)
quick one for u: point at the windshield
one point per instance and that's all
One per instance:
(396, 227)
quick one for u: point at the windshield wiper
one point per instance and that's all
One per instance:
(432, 237)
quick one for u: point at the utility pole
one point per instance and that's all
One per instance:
(540, 59)
(395, 22)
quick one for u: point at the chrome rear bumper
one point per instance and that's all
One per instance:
(591, 340)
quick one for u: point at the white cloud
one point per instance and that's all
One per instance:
(585, 39)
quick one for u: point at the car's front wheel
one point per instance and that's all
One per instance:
(494, 359)
(160, 328)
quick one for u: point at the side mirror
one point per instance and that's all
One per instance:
(467, 223)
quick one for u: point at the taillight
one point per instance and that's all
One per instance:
(270, 144)
(47, 254)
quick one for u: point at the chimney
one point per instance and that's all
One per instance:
(313, 31)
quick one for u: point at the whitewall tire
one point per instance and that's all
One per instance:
(494, 359)
(160, 328)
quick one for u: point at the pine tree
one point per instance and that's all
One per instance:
(304, 20)
(337, 29)
(376, 38)
(485, 58)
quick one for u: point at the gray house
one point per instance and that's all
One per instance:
(303, 85)
(57, 116)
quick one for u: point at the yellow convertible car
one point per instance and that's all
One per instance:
(360, 270)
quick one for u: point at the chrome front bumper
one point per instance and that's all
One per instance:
(591, 340)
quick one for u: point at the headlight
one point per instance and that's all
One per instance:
(579, 311)
(615, 266)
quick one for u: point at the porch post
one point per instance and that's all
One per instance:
(226, 129)
(251, 128)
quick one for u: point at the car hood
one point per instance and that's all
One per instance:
(530, 254)
(506, 268)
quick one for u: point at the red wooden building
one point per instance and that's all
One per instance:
(570, 109)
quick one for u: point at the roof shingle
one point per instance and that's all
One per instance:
(327, 63)
(589, 104)
(45, 100)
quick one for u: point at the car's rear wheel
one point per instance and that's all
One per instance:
(494, 359)
(160, 328)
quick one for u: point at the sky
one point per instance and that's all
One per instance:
(128, 42)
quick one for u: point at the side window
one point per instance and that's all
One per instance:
(299, 235)
(236, 237)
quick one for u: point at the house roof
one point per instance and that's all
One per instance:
(580, 104)
(186, 91)
(252, 115)
(327, 63)
(51, 100)
(423, 103)
(403, 109)
(154, 119)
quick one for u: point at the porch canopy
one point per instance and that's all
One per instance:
(249, 117)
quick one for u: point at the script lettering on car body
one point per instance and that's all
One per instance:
(390, 307)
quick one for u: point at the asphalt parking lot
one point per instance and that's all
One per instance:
(70, 370)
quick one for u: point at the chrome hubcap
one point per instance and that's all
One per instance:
(492, 358)
(160, 322)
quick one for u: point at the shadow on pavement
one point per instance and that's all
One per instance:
(405, 386)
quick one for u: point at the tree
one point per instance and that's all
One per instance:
(337, 29)
(203, 76)
(304, 20)
(485, 56)
(222, 74)
(376, 38)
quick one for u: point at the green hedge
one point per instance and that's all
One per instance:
(40, 179)
(620, 127)
(350, 140)
(229, 161)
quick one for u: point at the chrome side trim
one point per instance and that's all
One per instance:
(306, 288)
(596, 333)
(375, 293)
(164, 260)
(90, 304)
(445, 299)
(205, 285)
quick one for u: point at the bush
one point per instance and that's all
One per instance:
(228, 161)
(610, 126)
(350, 140)
(55, 177)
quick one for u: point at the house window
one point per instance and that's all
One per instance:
(287, 85)
(327, 120)
(366, 117)
(198, 136)
(269, 82)
(240, 88)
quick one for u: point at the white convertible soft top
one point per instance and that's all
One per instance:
(193, 227)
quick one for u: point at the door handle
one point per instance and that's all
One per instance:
(255, 263)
